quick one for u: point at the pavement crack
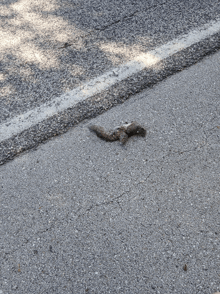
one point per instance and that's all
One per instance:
(100, 29)
(141, 182)
(190, 150)
(127, 17)
(116, 21)
(104, 203)
(119, 205)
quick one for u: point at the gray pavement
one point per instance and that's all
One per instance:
(34, 68)
(80, 215)
(49, 48)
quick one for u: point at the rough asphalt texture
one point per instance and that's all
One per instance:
(80, 215)
(35, 66)
(99, 103)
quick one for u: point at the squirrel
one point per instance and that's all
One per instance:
(121, 133)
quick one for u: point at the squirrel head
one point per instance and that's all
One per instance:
(141, 131)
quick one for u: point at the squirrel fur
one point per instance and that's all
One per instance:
(121, 133)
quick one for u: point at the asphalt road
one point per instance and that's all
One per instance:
(49, 49)
(34, 67)
(80, 215)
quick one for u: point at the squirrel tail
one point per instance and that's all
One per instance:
(101, 133)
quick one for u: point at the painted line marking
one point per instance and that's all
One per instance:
(147, 60)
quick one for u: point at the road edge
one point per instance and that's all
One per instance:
(99, 103)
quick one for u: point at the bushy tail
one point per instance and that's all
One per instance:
(101, 133)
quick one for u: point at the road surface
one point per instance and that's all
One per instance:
(80, 215)
(65, 61)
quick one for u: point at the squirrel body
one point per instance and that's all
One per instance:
(121, 133)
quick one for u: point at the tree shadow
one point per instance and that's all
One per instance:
(50, 47)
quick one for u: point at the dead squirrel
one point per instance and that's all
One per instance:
(121, 133)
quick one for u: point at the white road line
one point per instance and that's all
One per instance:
(22, 122)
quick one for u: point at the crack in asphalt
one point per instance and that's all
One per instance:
(103, 203)
(112, 200)
(121, 19)
(116, 21)
(129, 16)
